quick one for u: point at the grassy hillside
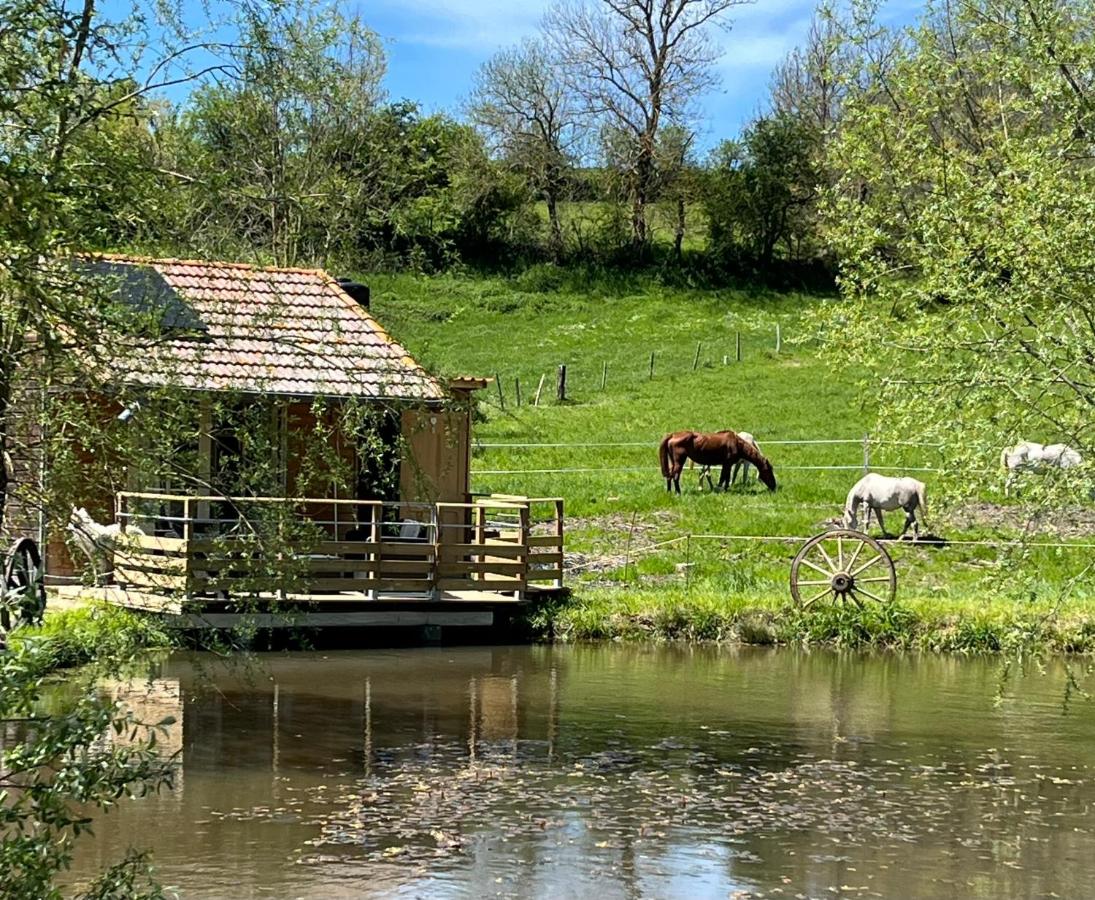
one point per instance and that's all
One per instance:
(523, 329)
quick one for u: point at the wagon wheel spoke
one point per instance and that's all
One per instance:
(866, 593)
(815, 583)
(855, 596)
(840, 551)
(833, 567)
(855, 555)
(873, 578)
(816, 568)
(815, 598)
(866, 566)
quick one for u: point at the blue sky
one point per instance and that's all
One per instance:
(435, 46)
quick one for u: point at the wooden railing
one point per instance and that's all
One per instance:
(215, 546)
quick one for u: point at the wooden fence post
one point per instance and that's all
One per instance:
(651, 363)
(561, 383)
(539, 388)
(604, 374)
(777, 337)
(498, 384)
(517, 390)
(737, 345)
(866, 453)
(696, 358)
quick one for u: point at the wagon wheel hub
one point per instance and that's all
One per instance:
(842, 582)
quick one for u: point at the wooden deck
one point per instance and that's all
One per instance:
(453, 608)
(208, 561)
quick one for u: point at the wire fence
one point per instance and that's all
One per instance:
(587, 375)
(620, 556)
(865, 443)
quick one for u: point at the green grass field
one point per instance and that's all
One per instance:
(522, 329)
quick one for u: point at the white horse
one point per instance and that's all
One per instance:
(98, 542)
(880, 492)
(1029, 456)
(741, 465)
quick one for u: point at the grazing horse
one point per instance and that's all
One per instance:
(723, 448)
(880, 492)
(1028, 456)
(742, 466)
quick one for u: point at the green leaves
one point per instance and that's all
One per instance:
(964, 215)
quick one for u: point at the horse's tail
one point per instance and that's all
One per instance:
(663, 455)
(1004, 454)
(922, 502)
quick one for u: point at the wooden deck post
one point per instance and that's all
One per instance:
(188, 522)
(374, 557)
(480, 537)
(559, 534)
(435, 564)
(519, 594)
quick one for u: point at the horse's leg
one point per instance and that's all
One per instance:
(910, 517)
(725, 477)
(881, 521)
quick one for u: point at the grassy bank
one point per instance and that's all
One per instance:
(80, 636)
(626, 581)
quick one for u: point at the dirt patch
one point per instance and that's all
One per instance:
(643, 531)
(1069, 523)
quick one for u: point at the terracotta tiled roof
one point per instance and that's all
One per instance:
(284, 331)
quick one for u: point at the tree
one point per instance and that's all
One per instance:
(678, 178)
(964, 218)
(272, 155)
(809, 84)
(67, 84)
(637, 66)
(523, 107)
(761, 192)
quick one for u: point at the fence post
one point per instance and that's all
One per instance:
(539, 388)
(498, 384)
(866, 453)
(725, 359)
(777, 337)
(651, 363)
(696, 358)
(737, 345)
(517, 390)
(604, 374)
(561, 383)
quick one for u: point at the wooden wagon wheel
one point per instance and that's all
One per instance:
(843, 565)
(24, 589)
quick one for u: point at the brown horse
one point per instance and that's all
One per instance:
(723, 448)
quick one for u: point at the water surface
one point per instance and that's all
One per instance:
(612, 770)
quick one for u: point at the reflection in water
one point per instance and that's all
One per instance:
(627, 771)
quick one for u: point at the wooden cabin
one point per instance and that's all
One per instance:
(296, 348)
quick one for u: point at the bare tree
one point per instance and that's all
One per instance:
(638, 65)
(809, 84)
(529, 117)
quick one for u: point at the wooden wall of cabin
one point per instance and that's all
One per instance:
(437, 465)
(95, 493)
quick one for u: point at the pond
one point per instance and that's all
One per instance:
(621, 770)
